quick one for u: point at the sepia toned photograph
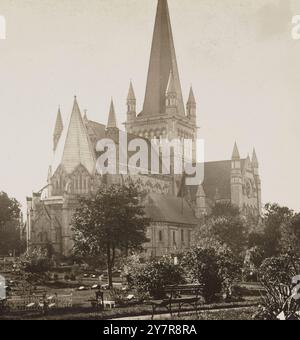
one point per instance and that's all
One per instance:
(149, 162)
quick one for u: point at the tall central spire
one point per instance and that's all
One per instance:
(162, 63)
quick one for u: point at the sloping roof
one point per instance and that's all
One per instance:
(162, 62)
(98, 129)
(217, 177)
(169, 209)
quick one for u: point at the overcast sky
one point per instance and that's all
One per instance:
(238, 54)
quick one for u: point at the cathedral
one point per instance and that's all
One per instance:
(175, 208)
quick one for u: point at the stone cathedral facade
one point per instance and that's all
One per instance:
(174, 208)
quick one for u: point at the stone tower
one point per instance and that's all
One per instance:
(255, 166)
(163, 114)
(236, 178)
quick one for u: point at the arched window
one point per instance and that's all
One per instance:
(160, 236)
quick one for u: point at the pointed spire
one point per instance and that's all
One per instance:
(112, 120)
(248, 162)
(254, 159)
(191, 106)
(131, 94)
(235, 154)
(131, 103)
(58, 129)
(191, 99)
(171, 90)
(77, 149)
(85, 117)
(162, 60)
(58, 124)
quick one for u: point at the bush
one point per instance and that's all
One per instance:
(276, 275)
(215, 269)
(279, 270)
(201, 265)
(229, 270)
(149, 279)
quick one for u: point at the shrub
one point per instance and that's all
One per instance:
(278, 302)
(279, 269)
(229, 270)
(201, 265)
(149, 279)
(276, 275)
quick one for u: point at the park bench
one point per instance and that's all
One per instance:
(177, 295)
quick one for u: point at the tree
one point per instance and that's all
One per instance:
(274, 218)
(201, 266)
(225, 230)
(290, 236)
(109, 222)
(9, 224)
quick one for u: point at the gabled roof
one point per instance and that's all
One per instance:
(162, 61)
(169, 209)
(217, 177)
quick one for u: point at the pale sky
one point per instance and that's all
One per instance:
(238, 54)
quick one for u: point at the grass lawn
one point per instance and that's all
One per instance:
(226, 314)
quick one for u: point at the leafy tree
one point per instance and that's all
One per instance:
(225, 231)
(201, 265)
(290, 236)
(274, 218)
(9, 224)
(111, 221)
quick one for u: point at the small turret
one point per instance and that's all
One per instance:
(58, 129)
(191, 106)
(236, 178)
(112, 120)
(255, 165)
(131, 104)
(171, 95)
